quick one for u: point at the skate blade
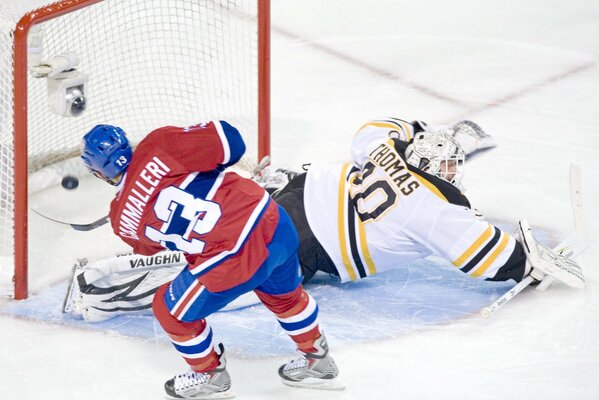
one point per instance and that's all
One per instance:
(315, 383)
(227, 394)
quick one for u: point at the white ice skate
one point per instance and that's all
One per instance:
(312, 370)
(215, 384)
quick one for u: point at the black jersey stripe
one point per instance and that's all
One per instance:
(344, 193)
(353, 245)
(485, 250)
(514, 267)
(451, 193)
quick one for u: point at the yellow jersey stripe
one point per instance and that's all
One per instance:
(430, 186)
(382, 124)
(364, 248)
(474, 246)
(341, 222)
(485, 266)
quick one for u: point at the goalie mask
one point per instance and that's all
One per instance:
(437, 153)
(106, 152)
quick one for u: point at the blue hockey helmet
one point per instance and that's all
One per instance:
(106, 151)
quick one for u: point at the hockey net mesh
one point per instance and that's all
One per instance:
(150, 63)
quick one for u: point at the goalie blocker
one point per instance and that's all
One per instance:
(545, 265)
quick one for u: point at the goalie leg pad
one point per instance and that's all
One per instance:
(118, 285)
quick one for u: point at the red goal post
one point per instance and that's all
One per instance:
(142, 75)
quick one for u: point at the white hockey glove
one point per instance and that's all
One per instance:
(472, 138)
(545, 265)
(273, 180)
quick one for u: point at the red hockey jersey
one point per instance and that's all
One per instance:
(177, 195)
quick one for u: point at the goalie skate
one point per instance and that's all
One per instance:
(544, 263)
(312, 370)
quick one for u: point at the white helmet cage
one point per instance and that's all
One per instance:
(438, 153)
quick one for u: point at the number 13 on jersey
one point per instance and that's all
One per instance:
(182, 214)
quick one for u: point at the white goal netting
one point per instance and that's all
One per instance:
(149, 63)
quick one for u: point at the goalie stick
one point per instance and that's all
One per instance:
(570, 247)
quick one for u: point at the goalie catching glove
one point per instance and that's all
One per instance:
(545, 265)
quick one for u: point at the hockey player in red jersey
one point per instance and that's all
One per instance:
(174, 192)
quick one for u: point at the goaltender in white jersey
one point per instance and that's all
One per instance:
(400, 200)
(381, 213)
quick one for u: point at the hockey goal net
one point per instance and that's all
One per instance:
(145, 64)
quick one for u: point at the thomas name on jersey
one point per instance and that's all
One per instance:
(387, 158)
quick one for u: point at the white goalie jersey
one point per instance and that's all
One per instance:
(379, 213)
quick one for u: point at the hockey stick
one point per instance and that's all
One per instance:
(570, 247)
(104, 220)
(487, 311)
(78, 227)
(577, 241)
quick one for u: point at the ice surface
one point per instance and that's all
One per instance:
(527, 72)
(382, 307)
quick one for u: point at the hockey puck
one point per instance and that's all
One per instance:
(70, 182)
